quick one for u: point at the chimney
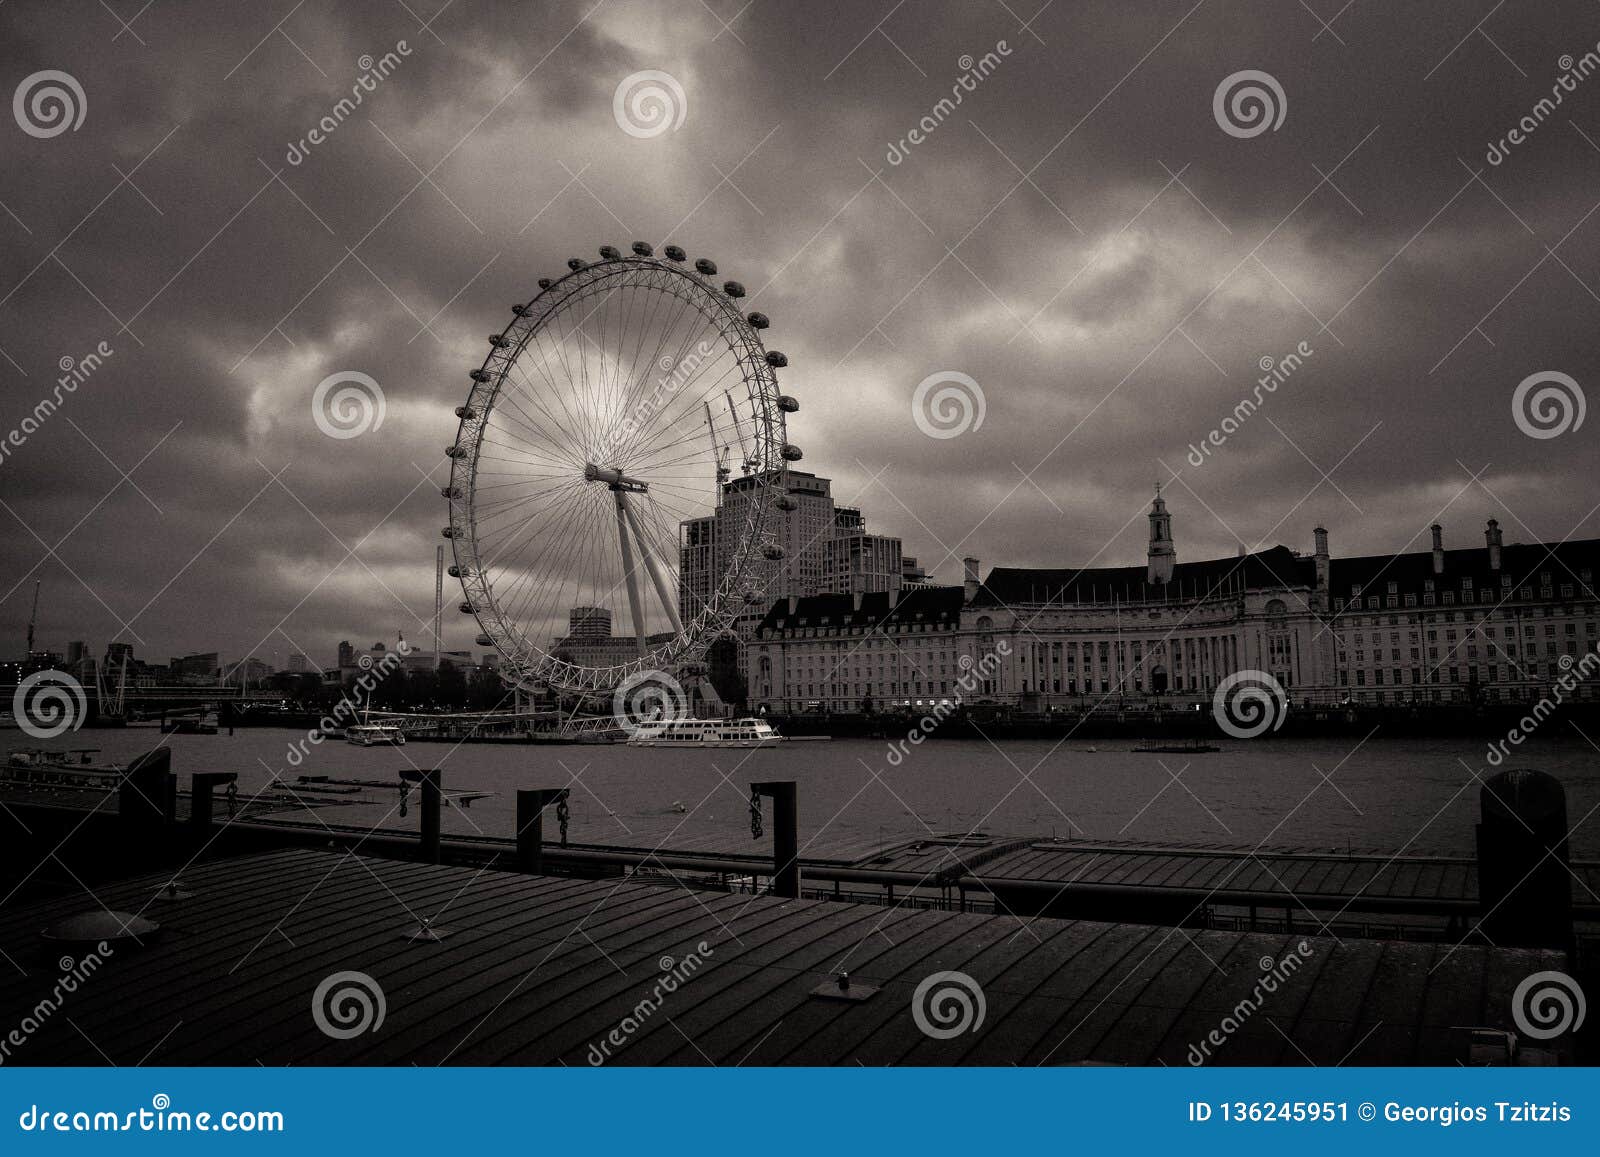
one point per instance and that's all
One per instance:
(855, 600)
(1438, 548)
(1491, 536)
(969, 578)
(794, 603)
(1320, 555)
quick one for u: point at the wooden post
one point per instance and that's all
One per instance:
(201, 786)
(145, 797)
(785, 836)
(1524, 884)
(428, 808)
(531, 803)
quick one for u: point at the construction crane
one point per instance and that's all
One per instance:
(33, 616)
(721, 453)
(738, 431)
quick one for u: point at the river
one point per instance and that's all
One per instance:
(1416, 794)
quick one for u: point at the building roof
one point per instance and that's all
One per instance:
(882, 609)
(1523, 563)
(1277, 567)
(537, 970)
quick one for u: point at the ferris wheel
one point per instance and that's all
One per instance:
(629, 397)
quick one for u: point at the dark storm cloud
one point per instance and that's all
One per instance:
(1113, 307)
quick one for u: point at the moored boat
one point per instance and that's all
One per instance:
(374, 735)
(706, 733)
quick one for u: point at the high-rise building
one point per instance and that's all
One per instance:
(299, 664)
(825, 549)
(589, 623)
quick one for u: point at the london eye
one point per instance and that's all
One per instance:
(618, 403)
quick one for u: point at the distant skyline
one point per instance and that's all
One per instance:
(1079, 236)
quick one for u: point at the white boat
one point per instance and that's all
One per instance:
(706, 733)
(374, 735)
(38, 767)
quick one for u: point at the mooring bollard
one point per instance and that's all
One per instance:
(429, 808)
(531, 803)
(146, 799)
(785, 834)
(1524, 884)
(201, 787)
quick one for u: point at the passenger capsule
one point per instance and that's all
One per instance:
(733, 289)
(791, 452)
(754, 598)
(499, 341)
(455, 451)
(450, 491)
(788, 404)
(522, 310)
(466, 608)
(576, 263)
(773, 551)
(545, 283)
(674, 253)
(609, 252)
(759, 321)
(448, 532)
(706, 265)
(485, 641)
(644, 249)
(453, 570)
(466, 413)
(480, 375)
(787, 503)
(776, 359)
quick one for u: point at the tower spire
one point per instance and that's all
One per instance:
(1162, 556)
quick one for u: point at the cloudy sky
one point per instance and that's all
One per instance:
(1107, 254)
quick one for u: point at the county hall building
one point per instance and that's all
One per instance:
(1492, 623)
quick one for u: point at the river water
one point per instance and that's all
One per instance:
(1416, 794)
